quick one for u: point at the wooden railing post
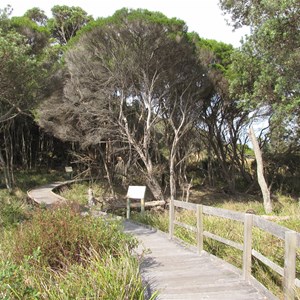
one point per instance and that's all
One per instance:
(290, 265)
(247, 249)
(199, 213)
(171, 219)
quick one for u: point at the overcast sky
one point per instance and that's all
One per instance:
(201, 16)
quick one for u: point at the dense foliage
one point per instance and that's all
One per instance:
(143, 100)
(266, 70)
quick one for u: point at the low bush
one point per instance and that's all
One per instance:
(65, 237)
(15, 282)
(102, 277)
(12, 209)
(59, 254)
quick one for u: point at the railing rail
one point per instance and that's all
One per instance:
(291, 240)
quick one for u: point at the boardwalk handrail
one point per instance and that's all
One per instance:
(291, 240)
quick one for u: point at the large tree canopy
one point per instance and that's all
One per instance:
(66, 22)
(123, 76)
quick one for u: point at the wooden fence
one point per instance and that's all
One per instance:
(291, 240)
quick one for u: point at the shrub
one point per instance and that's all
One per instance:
(12, 210)
(101, 276)
(14, 282)
(65, 237)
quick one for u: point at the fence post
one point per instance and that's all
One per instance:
(247, 249)
(171, 219)
(199, 213)
(290, 265)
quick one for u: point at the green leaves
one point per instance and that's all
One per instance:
(17, 71)
(66, 22)
(266, 72)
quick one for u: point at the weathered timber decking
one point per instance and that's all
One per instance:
(176, 271)
(44, 194)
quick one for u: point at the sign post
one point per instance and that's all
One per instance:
(135, 192)
(69, 171)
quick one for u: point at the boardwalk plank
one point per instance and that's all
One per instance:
(179, 273)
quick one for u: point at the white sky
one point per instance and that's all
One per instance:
(201, 16)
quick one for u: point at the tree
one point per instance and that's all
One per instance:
(37, 15)
(123, 75)
(35, 36)
(21, 76)
(221, 121)
(267, 69)
(66, 22)
(17, 89)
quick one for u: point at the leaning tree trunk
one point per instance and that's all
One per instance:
(260, 173)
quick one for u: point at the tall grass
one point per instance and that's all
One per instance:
(58, 254)
(13, 208)
(79, 192)
(101, 277)
(13, 205)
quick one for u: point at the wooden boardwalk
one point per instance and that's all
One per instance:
(44, 194)
(176, 271)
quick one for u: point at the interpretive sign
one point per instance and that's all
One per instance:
(135, 192)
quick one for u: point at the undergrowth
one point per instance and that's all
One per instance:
(79, 192)
(64, 237)
(59, 254)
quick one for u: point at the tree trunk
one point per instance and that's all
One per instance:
(172, 177)
(6, 173)
(172, 166)
(155, 188)
(107, 170)
(260, 173)
(210, 173)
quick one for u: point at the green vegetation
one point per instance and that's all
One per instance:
(141, 101)
(79, 192)
(59, 254)
(264, 243)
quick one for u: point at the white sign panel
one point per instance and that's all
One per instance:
(136, 192)
(69, 169)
